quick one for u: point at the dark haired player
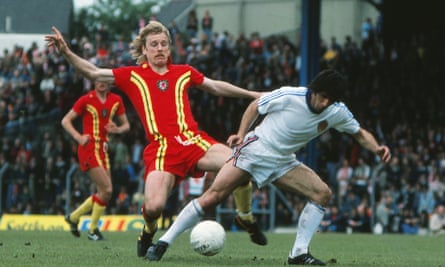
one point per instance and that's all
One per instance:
(293, 117)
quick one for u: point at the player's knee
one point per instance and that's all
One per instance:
(325, 196)
(243, 185)
(153, 209)
(322, 196)
(105, 195)
(210, 200)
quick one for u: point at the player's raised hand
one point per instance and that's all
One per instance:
(384, 153)
(56, 40)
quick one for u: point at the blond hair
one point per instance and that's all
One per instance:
(153, 27)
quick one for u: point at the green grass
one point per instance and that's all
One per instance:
(26, 248)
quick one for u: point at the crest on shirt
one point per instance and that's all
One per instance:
(162, 85)
(322, 125)
(104, 112)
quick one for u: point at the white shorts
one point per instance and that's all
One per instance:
(262, 163)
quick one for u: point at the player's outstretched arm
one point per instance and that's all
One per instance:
(222, 88)
(368, 141)
(85, 67)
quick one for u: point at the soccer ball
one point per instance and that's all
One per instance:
(207, 238)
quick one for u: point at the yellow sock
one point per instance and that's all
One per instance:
(151, 227)
(151, 224)
(85, 207)
(98, 210)
(243, 201)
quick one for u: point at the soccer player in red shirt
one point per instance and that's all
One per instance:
(177, 148)
(97, 109)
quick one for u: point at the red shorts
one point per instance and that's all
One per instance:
(178, 156)
(93, 154)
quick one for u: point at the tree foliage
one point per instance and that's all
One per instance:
(119, 17)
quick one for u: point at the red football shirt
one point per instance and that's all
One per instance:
(161, 101)
(96, 114)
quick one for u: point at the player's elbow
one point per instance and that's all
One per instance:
(64, 122)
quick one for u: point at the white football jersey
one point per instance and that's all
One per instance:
(290, 124)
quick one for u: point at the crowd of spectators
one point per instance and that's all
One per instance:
(394, 90)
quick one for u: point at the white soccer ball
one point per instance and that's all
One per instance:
(208, 238)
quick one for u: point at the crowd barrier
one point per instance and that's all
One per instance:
(110, 223)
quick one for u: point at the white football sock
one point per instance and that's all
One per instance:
(187, 218)
(308, 223)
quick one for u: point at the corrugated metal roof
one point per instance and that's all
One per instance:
(34, 16)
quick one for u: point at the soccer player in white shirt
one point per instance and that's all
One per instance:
(293, 117)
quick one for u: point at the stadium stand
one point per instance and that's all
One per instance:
(396, 93)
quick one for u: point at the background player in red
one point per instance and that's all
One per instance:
(97, 109)
(177, 148)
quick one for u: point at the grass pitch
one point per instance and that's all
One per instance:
(26, 248)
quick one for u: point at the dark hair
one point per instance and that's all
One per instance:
(330, 82)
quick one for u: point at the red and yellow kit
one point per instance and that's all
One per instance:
(95, 115)
(163, 106)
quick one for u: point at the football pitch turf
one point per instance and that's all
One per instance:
(46, 248)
